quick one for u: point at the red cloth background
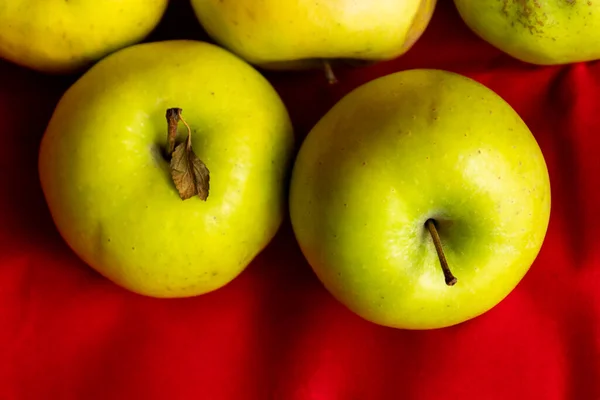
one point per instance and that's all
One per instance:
(275, 333)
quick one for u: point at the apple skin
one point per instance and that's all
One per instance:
(402, 149)
(299, 34)
(109, 189)
(539, 32)
(61, 37)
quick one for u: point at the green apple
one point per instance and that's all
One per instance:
(543, 32)
(404, 163)
(111, 190)
(292, 34)
(62, 36)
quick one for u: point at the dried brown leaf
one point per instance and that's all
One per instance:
(189, 173)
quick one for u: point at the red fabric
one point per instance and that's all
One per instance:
(275, 333)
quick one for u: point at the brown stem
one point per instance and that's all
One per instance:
(331, 79)
(189, 138)
(450, 279)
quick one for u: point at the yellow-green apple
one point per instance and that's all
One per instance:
(420, 199)
(543, 32)
(62, 36)
(291, 34)
(116, 188)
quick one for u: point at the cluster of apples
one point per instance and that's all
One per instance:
(420, 199)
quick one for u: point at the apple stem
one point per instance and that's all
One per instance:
(331, 79)
(450, 279)
(173, 118)
(189, 137)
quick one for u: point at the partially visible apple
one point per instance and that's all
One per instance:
(294, 34)
(106, 176)
(543, 32)
(401, 162)
(62, 36)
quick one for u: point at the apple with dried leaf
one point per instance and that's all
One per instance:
(164, 167)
